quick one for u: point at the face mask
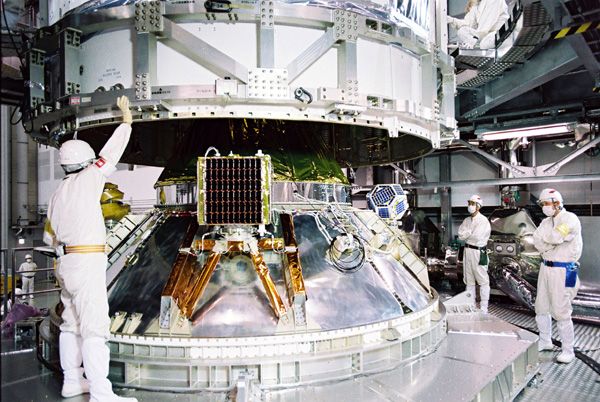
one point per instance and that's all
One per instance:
(471, 209)
(548, 210)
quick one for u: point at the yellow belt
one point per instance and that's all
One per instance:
(86, 249)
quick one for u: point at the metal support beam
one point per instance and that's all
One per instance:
(586, 56)
(515, 170)
(446, 199)
(441, 29)
(5, 196)
(347, 64)
(313, 53)
(513, 181)
(202, 53)
(398, 169)
(553, 168)
(266, 47)
(266, 37)
(35, 91)
(5, 179)
(70, 47)
(145, 64)
(548, 64)
(429, 81)
(562, 18)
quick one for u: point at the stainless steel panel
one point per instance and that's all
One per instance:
(139, 286)
(335, 299)
(461, 369)
(401, 281)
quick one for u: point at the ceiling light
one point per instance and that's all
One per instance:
(535, 131)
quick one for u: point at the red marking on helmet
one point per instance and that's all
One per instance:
(100, 162)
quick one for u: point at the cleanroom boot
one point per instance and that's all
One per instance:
(544, 323)
(567, 337)
(70, 360)
(471, 293)
(96, 357)
(484, 292)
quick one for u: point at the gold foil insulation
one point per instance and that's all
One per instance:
(204, 245)
(235, 246)
(271, 244)
(113, 208)
(187, 281)
(182, 270)
(197, 285)
(301, 156)
(293, 273)
(297, 154)
(265, 277)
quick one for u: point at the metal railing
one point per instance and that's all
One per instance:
(11, 270)
(4, 270)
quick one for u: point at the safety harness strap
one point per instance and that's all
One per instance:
(85, 249)
(467, 245)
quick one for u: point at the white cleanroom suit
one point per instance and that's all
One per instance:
(475, 232)
(75, 221)
(559, 241)
(481, 23)
(27, 278)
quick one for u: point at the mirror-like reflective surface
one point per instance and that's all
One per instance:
(235, 303)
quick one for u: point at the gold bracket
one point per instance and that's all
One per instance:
(265, 277)
(293, 276)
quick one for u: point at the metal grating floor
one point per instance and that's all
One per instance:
(560, 382)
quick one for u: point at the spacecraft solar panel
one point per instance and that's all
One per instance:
(400, 208)
(384, 195)
(232, 191)
(399, 190)
(384, 213)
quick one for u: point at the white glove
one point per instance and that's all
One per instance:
(123, 104)
(456, 23)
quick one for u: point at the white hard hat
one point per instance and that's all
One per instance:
(476, 199)
(28, 257)
(18, 292)
(550, 194)
(74, 152)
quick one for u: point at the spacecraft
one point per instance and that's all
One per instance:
(254, 271)
(249, 269)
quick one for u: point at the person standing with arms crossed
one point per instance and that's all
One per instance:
(559, 241)
(475, 232)
(75, 226)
